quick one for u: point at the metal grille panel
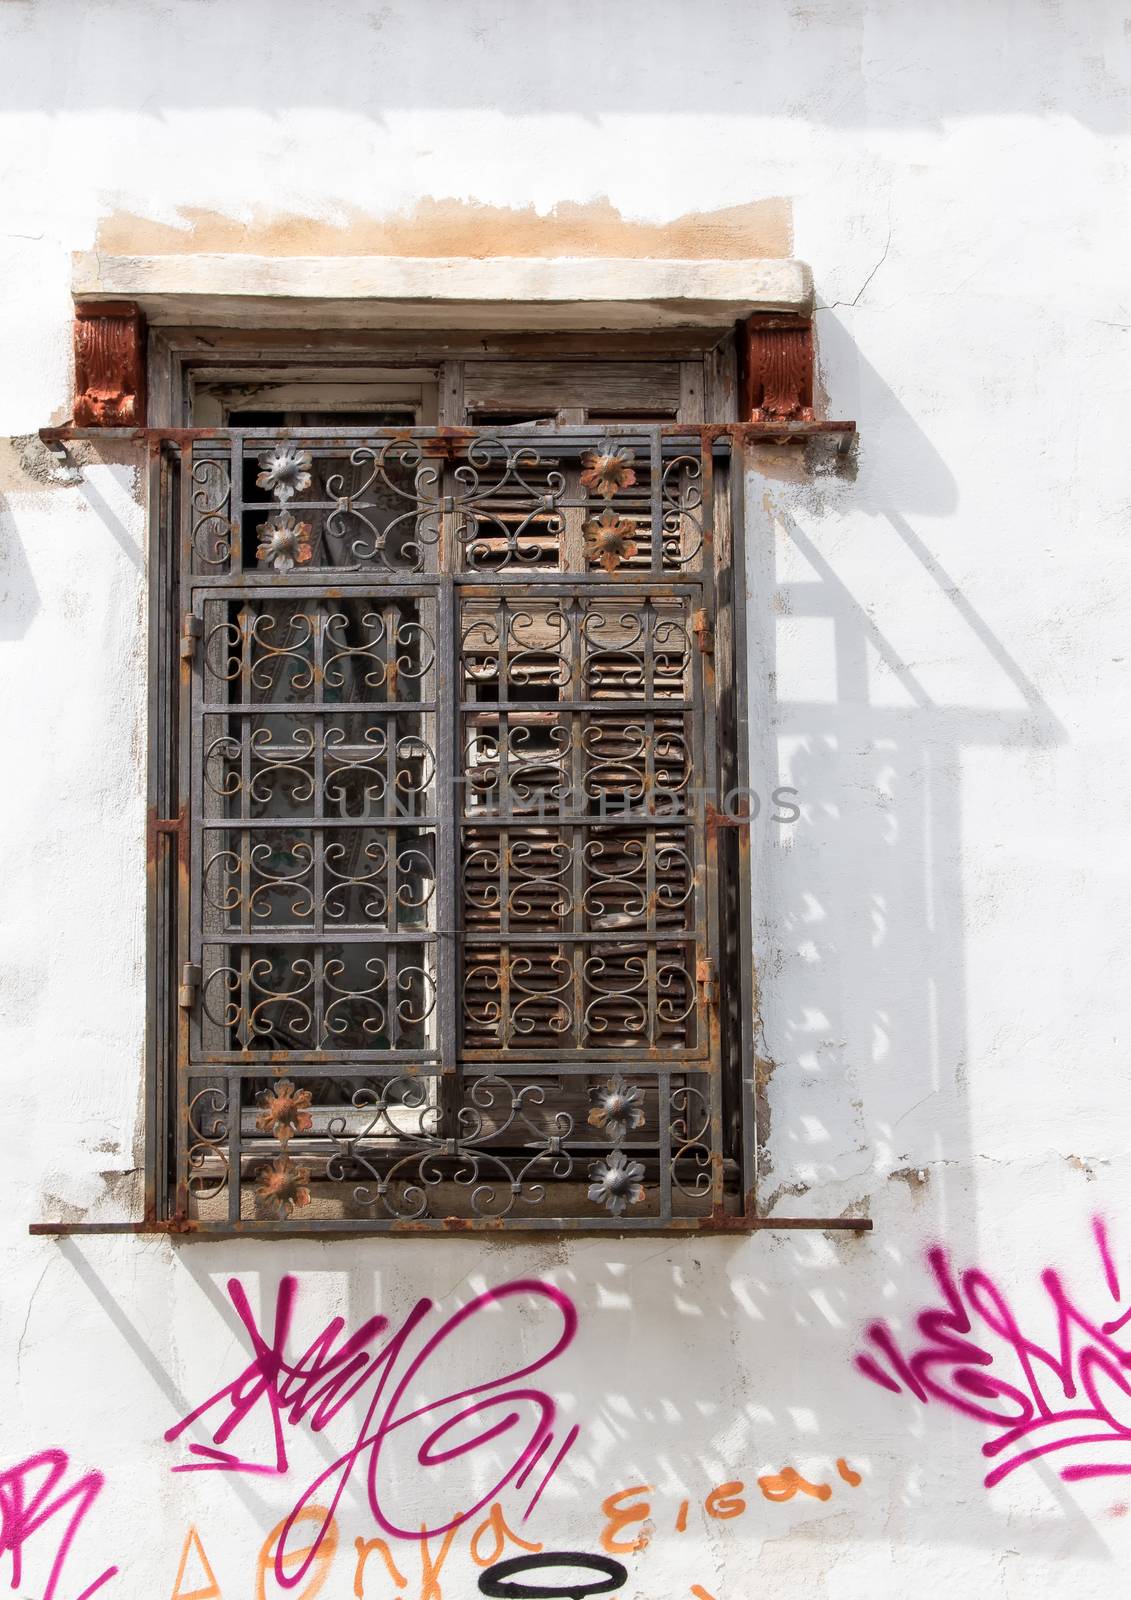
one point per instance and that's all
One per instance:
(450, 925)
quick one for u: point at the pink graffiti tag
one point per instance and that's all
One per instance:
(31, 1496)
(1041, 1391)
(315, 1386)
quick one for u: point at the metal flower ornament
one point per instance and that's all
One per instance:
(609, 540)
(283, 1111)
(285, 472)
(615, 1182)
(617, 1108)
(284, 542)
(606, 471)
(281, 1187)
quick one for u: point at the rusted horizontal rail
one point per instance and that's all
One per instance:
(256, 1228)
(740, 432)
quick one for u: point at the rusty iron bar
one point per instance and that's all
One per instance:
(752, 432)
(192, 1227)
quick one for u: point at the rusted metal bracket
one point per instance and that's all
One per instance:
(776, 368)
(109, 365)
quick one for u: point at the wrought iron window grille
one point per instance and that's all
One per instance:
(449, 922)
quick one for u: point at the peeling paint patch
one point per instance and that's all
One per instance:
(764, 1069)
(1086, 1165)
(451, 227)
(54, 1206)
(795, 1189)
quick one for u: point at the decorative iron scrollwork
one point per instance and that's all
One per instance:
(450, 878)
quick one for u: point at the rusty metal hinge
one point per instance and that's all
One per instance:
(190, 983)
(707, 977)
(704, 633)
(191, 630)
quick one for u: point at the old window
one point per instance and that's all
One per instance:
(451, 930)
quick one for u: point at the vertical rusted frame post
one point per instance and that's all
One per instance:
(710, 791)
(574, 801)
(234, 1079)
(157, 852)
(236, 576)
(651, 806)
(448, 810)
(746, 977)
(393, 728)
(656, 499)
(651, 621)
(575, 833)
(319, 622)
(184, 746)
(503, 810)
(451, 791)
(664, 1115)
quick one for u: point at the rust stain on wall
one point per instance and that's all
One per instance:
(450, 227)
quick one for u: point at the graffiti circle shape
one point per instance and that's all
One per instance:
(492, 1582)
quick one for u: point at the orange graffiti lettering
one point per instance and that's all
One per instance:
(295, 1558)
(496, 1524)
(785, 1484)
(681, 1518)
(429, 1569)
(853, 1479)
(724, 1502)
(621, 1517)
(700, 1593)
(211, 1589)
(365, 1548)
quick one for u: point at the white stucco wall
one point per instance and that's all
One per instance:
(940, 667)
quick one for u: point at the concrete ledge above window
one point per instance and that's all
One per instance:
(449, 292)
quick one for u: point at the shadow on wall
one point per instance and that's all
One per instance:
(19, 596)
(913, 66)
(862, 924)
(28, 470)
